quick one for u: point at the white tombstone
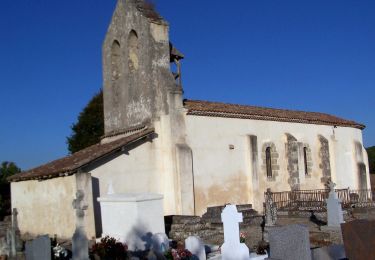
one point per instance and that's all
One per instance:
(334, 209)
(232, 249)
(132, 218)
(196, 247)
(160, 243)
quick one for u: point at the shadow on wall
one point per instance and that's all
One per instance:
(96, 205)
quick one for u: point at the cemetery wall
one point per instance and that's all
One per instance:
(45, 207)
(223, 168)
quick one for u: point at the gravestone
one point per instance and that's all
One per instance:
(333, 252)
(232, 249)
(39, 248)
(334, 209)
(160, 243)
(359, 239)
(290, 243)
(80, 244)
(195, 245)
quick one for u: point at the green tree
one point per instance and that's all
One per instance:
(371, 158)
(89, 127)
(7, 169)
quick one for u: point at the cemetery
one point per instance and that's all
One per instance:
(134, 228)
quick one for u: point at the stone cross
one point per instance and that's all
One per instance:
(80, 246)
(270, 209)
(331, 186)
(80, 207)
(334, 209)
(232, 249)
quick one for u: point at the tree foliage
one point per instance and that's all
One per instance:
(371, 158)
(7, 169)
(89, 127)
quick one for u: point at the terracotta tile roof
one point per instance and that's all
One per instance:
(216, 109)
(71, 164)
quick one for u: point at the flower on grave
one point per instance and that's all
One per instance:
(110, 248)
(59, 252)
(242, 237)
(178, 254)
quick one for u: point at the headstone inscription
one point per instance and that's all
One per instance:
(232, 249)
(80, 245)
(290, 243)
(39, 248)
(195, 245)
(359, 239)
(334, 209)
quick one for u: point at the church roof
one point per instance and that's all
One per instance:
(217, 109)
(73, 163)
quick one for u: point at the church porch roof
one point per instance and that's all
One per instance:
(73, 163)
(218, 109)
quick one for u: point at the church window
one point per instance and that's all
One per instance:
(269, 162)
(305, 160)
(133, 51)
(115, 60)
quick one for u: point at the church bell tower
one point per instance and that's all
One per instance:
(136, 67)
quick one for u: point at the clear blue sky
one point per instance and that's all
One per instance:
(308, 55)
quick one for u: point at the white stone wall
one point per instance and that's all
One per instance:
(224, 175)
(147, 167)
(45, 207)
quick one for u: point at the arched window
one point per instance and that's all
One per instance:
(133, 51)
(305, 160)
(268, 162)
(115, 60)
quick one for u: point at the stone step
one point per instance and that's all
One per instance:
(179, 219)
(244, 207)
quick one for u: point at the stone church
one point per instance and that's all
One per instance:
(195, 153)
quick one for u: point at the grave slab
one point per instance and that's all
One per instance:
(290, 243)
(39, 248)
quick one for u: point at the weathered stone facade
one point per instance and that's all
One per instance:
(292, 157)
(137, 78)
(325, 163)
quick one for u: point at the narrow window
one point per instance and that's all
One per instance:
(269, 162)
(133, 51)
(305, 160)
(115, 60)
